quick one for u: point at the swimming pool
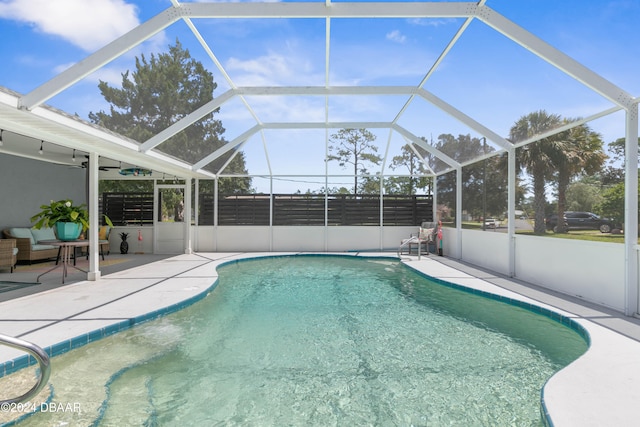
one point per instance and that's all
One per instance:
(318, 340)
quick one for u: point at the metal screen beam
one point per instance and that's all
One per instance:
(185, 122)
(101, 57)
(432, 150)
(331, 10)
(225, 148)
(326, 125)
(463, 118)
(554, 57)
(631, 284)
(324, 90)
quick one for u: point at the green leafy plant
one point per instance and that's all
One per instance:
(63, 211)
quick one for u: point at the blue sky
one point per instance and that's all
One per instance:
(486, 76)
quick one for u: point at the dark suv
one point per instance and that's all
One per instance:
(581, 221)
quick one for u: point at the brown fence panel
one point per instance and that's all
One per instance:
(296, 209)
(288, 209)
(251, 209)
(354, 210)
(407, 210)
(128, 208)
(206, 209)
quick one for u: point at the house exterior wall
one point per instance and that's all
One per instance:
(27, 184)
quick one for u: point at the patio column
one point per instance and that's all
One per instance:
(434, 195)
(215, 214)
(511, 208)
(631, 212)
(94, 219)
(188, 246)
(196, 205)
(458, 253)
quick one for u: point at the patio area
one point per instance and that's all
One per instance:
(24, 279)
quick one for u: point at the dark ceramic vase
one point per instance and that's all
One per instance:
(124, 246)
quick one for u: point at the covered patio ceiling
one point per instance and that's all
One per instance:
(425, 94)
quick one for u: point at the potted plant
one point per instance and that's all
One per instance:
(69, 220)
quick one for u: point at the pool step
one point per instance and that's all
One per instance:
(129, 401)
(14, 385)
(139, 396)
(146, 394)
(79, 385)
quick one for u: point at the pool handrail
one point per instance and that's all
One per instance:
(43, 361)
(409, 241)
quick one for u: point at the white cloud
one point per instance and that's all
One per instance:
(396, 36)
(110, 75)
(272, 69)
(431, 22)
(88, 24)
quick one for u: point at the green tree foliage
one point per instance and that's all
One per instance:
(162, 90)
(486, 176)
(577, 151)
(614, 172)
(125, 186)
(369, 185)
(585, 194)
(558, 158)
(354, 147)
(535, 158)
(414, 165)
(612, 205)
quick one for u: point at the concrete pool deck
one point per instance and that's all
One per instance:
(600, 388)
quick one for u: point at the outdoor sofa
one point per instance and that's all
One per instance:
(31, 249)
(27, 243)
(8, 252)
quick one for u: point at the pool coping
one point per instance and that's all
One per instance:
(599, 388)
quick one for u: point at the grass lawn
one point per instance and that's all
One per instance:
(592, 235)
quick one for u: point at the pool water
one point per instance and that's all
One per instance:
(322, 341)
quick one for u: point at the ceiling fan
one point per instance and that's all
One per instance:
(85, 165)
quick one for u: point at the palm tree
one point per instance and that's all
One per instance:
(535, 158)
(577, 150)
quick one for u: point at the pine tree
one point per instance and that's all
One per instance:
(162, 90)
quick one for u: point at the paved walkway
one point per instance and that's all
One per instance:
(600, 388)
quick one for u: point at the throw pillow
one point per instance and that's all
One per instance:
(43, 234)
(103, 232)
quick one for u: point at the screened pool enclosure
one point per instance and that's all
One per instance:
(310, 103)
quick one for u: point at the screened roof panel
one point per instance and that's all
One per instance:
(403, 158)
(601, 35)
(386, 51)
(267, 52)
(284, 64)
(291, 108)
(504, 77)
(253, 153)
(427, 122)
(305, 148)
(365, 108)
